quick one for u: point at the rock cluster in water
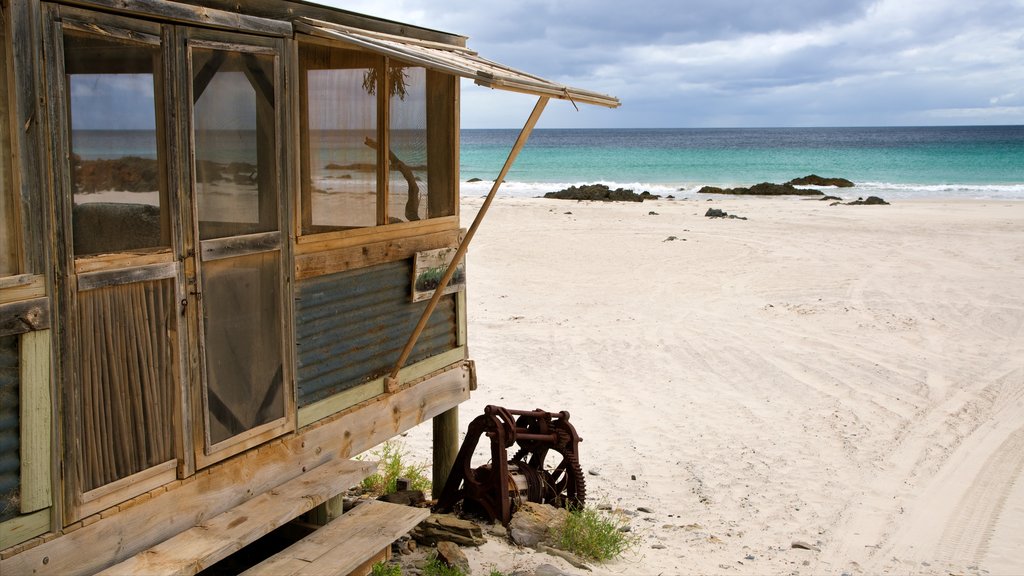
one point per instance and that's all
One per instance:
(815, 180)
(762, 189)
(600, 192)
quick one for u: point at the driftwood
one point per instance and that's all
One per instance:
(412, 204)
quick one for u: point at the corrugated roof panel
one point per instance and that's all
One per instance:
(453, 60)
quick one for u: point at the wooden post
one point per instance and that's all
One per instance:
(446, 446)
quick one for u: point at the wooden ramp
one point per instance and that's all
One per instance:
(346, 544)
(199, 547)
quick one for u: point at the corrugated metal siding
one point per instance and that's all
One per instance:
(351, 327)
(10, 429)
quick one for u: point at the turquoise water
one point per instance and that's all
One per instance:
(959, 162)
(969, 162)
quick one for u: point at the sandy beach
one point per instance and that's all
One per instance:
(847, 377)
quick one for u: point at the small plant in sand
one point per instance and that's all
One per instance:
(591, 534)
(392, 464)
(436, 567)
(385, 569)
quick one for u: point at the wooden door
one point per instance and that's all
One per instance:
(117, 261)
(236, 267)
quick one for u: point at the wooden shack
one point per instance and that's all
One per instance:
(211, 216)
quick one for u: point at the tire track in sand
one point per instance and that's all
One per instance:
(966, 537)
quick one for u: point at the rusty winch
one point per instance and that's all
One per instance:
(497, 488)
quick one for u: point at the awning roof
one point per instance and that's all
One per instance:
(453, 60)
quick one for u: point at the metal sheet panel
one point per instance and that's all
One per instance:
(10, 429)
(351, 327)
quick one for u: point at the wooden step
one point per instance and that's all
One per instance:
(346, 543)
(201, 546)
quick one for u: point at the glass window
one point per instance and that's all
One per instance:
(8, 241)
(408, 154)
(235, 138)
(339, 140)
(422, 141)
(117, 167)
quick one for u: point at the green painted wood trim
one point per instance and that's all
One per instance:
(35, 421)
(17, 530)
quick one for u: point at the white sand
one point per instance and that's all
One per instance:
(850, 376)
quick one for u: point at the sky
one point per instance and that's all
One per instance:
(741, 63)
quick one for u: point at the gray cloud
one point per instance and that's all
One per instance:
(750, 62)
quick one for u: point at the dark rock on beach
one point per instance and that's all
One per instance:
(871, 200)
(600, 192)
(762, 189)
(815, 180)
(716, 213)
(474, 180)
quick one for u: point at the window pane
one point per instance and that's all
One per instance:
(128, 357)
(8, 245)
(407, 182)
(244, 378)
(235, 142)
(422, 179)
(117, 173)
(339, 170)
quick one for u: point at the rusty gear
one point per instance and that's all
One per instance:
(497, 488)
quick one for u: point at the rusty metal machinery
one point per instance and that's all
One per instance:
(498, 487)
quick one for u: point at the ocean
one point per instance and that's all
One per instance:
(897, 162)
(892, 162)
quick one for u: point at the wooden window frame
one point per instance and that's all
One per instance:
(307, 243)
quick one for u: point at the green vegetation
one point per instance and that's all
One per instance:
(392, 465)
(589, 533)
(436, 567)
(386, 569)
(430, 278)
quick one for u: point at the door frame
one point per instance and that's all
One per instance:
(198, 251)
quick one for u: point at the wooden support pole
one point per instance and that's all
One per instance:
(446, 446)
(391, 382)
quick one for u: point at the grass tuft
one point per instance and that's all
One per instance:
(386, 569)
(392, 465)
(436, 567)
(589, 533)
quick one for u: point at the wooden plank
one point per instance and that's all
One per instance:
(462, 318)
(36, 406)
(349, 398)
(28, 129)
(221, 487)
(346, 543)
(370, 234)
(22, 287)
(361, 256)
(24, 316)
(126, 488)
(195, 15)
(108, 278)
(232, 246)
(290, 10)
(124, 260)
(200, 547)
(17, 530)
